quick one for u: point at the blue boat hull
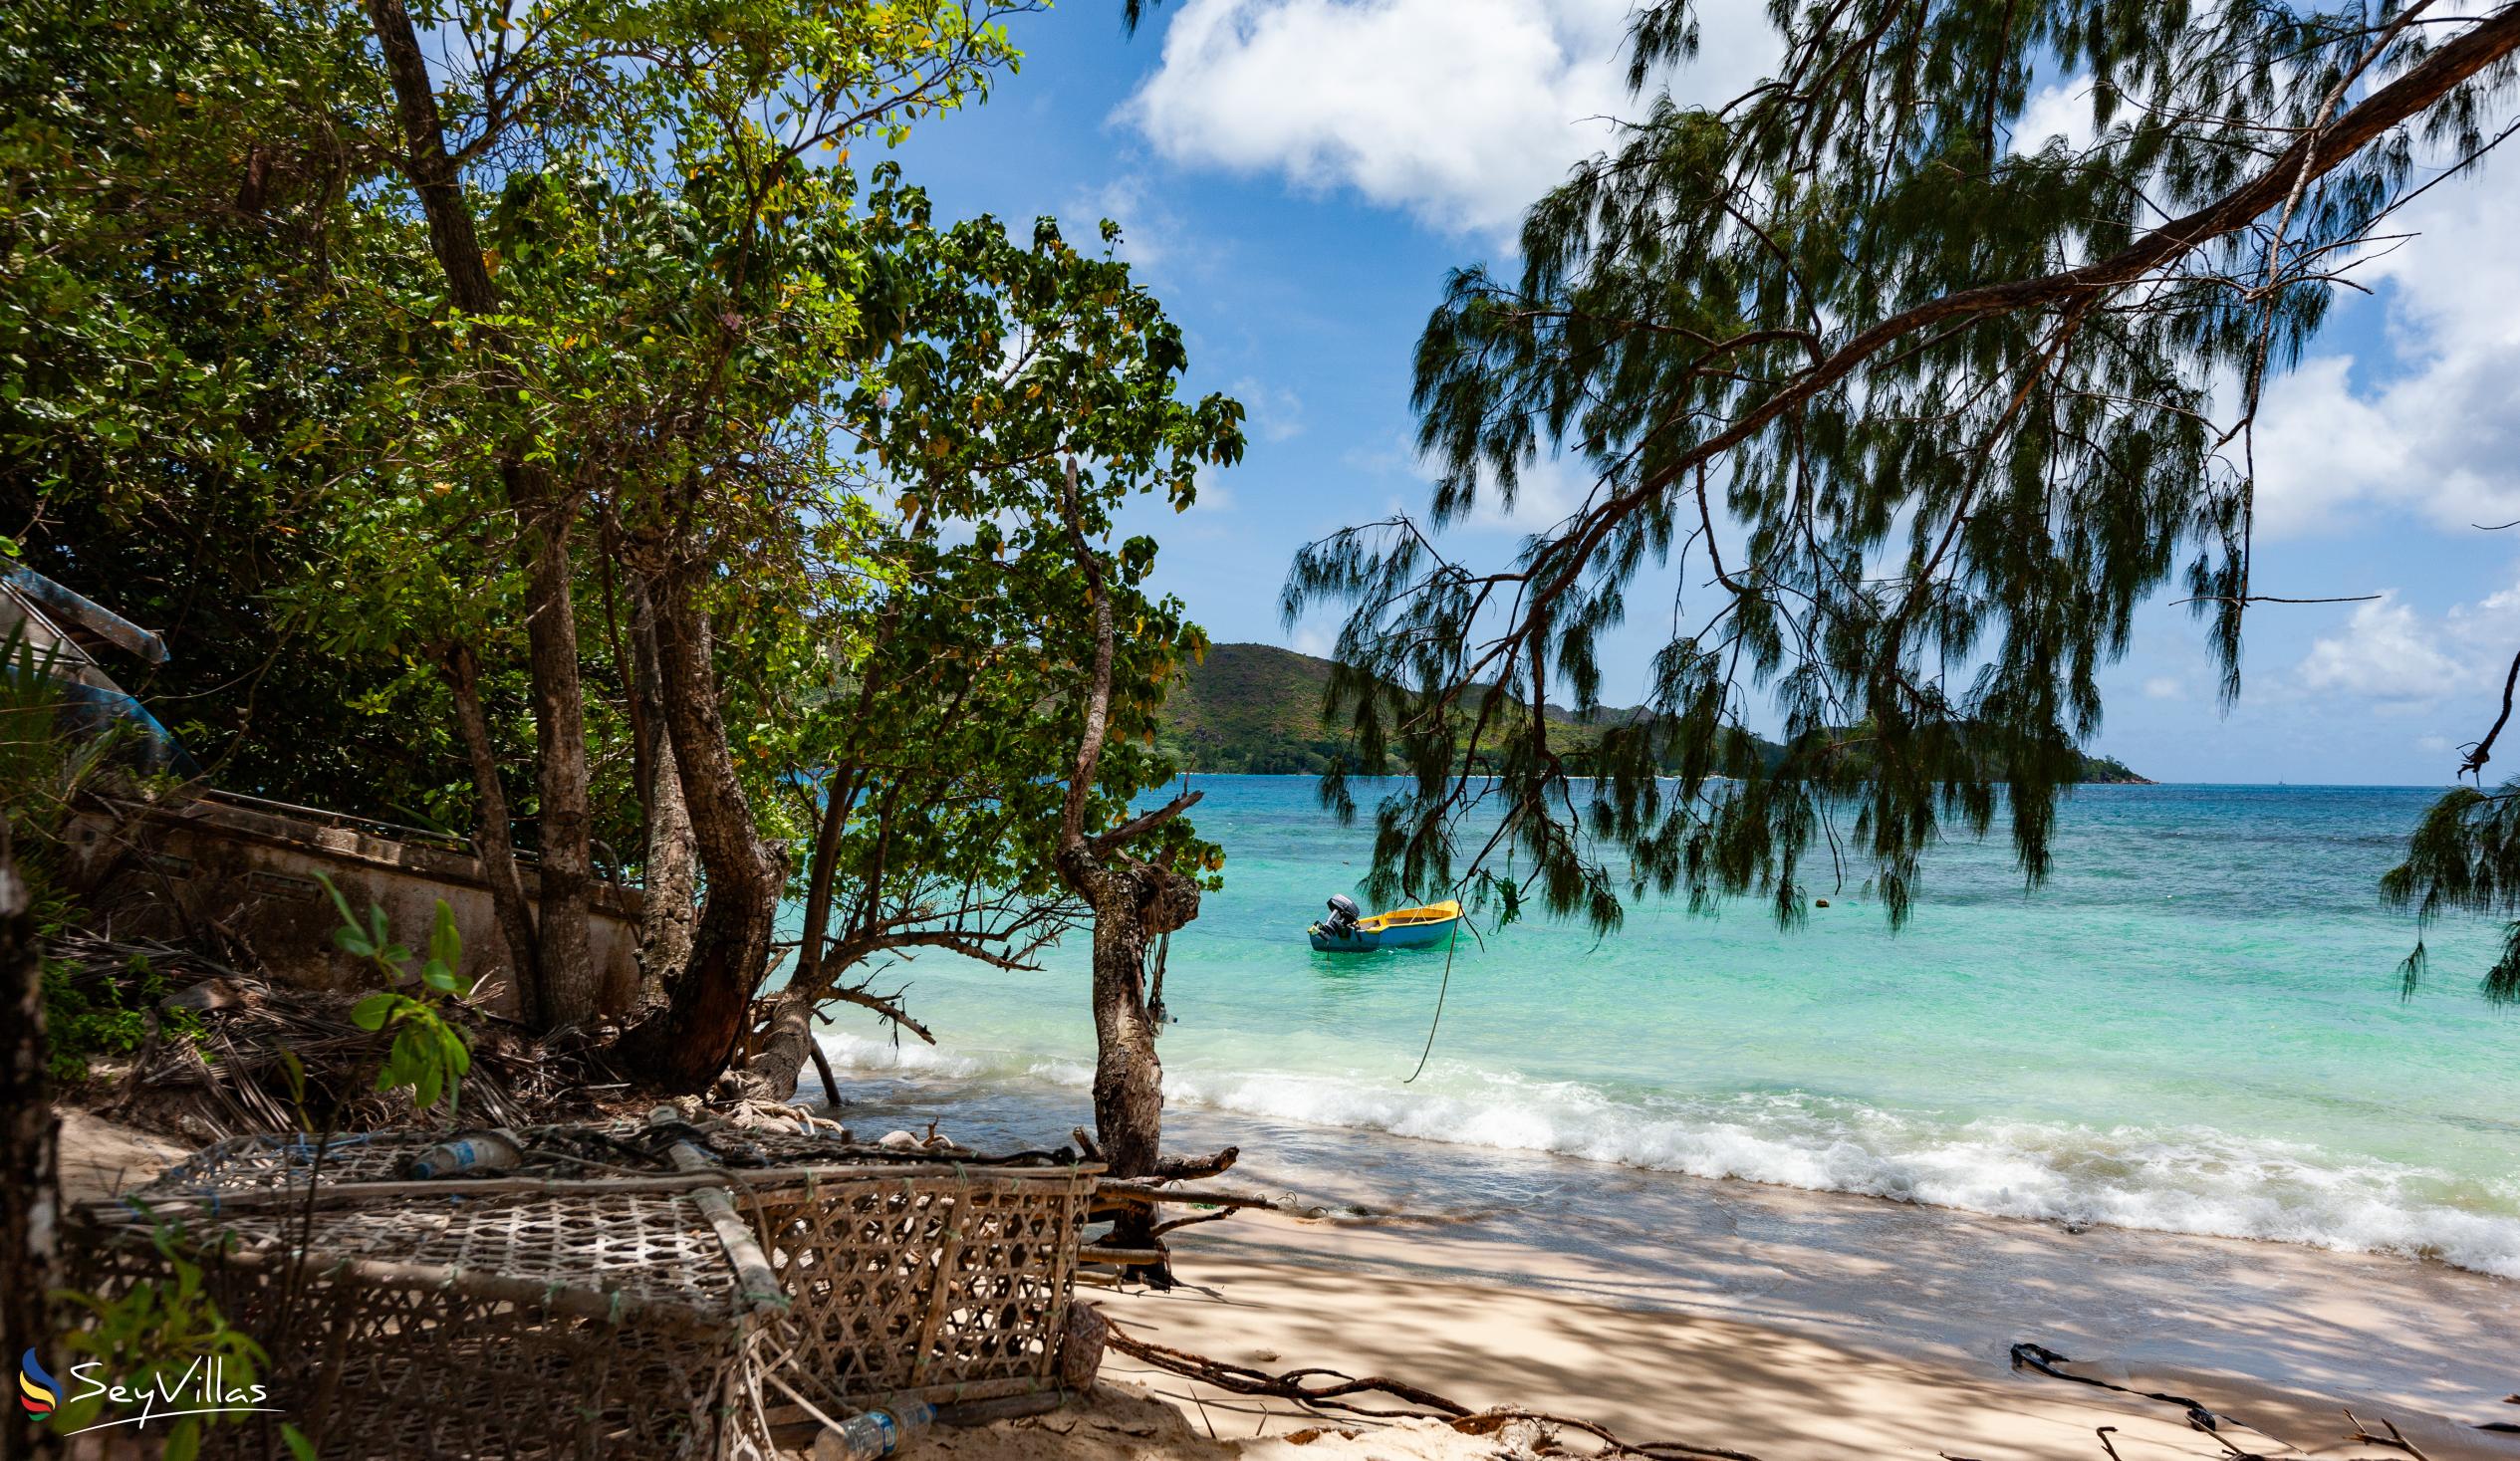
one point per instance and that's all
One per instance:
(1408, 935)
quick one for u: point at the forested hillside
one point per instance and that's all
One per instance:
(1255, 709)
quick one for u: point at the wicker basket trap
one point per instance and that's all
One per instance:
(945, 1285)
(670, 1314)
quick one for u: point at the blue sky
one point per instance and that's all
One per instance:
(1296, 176)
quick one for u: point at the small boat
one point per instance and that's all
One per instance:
(1343, 932)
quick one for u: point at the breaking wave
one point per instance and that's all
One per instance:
(2178, 1179)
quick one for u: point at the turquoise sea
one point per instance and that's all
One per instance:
(2194, 1026)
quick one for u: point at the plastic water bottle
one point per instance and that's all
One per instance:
(473, 1151)
(876, 1433)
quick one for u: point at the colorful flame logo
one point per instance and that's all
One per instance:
(37, 1392)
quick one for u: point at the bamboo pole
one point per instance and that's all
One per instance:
(107, 1209)
(756, 1280)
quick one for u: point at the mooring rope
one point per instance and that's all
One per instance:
(1440, 991)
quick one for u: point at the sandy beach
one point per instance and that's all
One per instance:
(1776, 1373)
(1779, 1323)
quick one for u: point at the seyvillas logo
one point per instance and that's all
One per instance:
(37, 1392)
(202, 1390)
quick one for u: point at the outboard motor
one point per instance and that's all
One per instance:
(1343, 913)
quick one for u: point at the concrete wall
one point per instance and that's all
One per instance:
(185, 865)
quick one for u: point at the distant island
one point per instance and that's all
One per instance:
(1255, 710)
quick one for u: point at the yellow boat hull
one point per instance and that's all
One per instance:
(1397, 929)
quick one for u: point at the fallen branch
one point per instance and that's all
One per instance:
(1319, 1390)
(1204, 1217)
(1190, 1169)
(1109, 1190)
(2025, 1356)
(2395, 1439)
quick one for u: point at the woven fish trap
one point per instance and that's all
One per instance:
(942, 1284)
(584, 1325)
(671, 1315)
(289, 1161)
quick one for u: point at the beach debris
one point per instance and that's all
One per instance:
(2395, 1440)
(1081, 1346)
(1113, 1190)
(1320, 1391)
(469, 1153)
(934, 1141)
(1820, 902)
(233, 1052)
(874, 1434)
(2039, 1358)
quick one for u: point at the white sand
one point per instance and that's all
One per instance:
(1782, 1323)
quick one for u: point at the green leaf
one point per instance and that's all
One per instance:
(339, 901)
(445, 944)
(371, 1013)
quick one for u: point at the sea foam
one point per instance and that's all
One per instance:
(2182, 1179)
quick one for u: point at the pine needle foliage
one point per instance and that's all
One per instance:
(1896, 414)
(2464, 856)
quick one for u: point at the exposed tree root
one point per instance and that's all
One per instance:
(2039, 1358)
(1326, 1390)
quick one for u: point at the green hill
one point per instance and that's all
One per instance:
(1250, 708)
(1255, 709)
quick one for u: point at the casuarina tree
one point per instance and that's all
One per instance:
(1893, 415)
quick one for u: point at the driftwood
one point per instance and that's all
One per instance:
(2044, 1361)
(1322, 1390)
(1113, 1190)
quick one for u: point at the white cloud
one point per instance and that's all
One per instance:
(2392, 654)
(1213, 495)
(2060, 108)
(2165, 687)
(1546, 491)
(1273, 413)
(1461, 112)
(2439, 438)
(1148, 229)
(2384, 652)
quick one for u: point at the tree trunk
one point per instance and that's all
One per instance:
(1134, 902)
(560, 742)
(493, 838)
(1128, 1076)
(839, 792)
(566, 967)
(787, 1042)
(29, 1165)
(685, 1045)
(672, 863)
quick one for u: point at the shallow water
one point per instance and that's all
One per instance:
(2194, 1027)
